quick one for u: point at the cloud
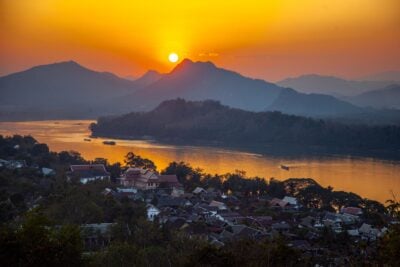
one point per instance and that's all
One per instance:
(208, 54)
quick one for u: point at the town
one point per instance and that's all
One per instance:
(133, 204)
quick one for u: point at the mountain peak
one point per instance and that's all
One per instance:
(65, 65)
(151, 73)
(189, 65)
(148, 78)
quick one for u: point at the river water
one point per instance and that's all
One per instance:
(369, 177)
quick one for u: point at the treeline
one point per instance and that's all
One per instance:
(209, 121)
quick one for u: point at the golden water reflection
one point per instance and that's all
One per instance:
(368, 177)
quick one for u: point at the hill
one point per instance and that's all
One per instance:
(209, 121)
(61, 89)
(199, 81)
(67, 90)
(330, 85)
(390, 76)
(389, 97)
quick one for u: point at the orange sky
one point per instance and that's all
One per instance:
(269, 39)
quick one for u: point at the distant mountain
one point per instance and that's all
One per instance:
(210, 122)
(148, 78)
(313, 105)
(203, 80)
(65, 87)
(389, 97)
(389, 76)
(331, 85)
(68, 90)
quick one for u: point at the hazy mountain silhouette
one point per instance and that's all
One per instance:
(61, 84)
(65, 87)
(68, 90)
(148, 78)
(390, 76)
(330, 85)
(203, 80)
(389, 97)
(313, 105)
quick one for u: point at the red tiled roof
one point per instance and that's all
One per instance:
(99, 167)
(168, 178)
(352, 210)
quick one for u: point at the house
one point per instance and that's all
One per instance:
(140, 178)
(96, 235)
(3, 163)
(147, 179)
(281, 227)
(108, 192)
(199, 190)
(219, 205)
(292, 201)
(131, 193)
(16, 164)
(300, 245)
(88, 172)
(48, 172)
(333, 221)
(307, 222)
(351, 211)
(278, 203)
(169, 181)
(369, 232)
(172, 202)
(262, 221)
(152, 212)
(177, 192)
(353, 232)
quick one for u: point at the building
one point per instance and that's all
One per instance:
(139, 178)
(89, 172)
(355, 211)
(48, 172)
(152, 212)
(146, 179)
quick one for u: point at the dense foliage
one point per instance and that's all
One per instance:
(209, 121)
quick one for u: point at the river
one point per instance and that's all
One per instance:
(369, 177)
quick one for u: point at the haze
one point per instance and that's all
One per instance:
(266, 39)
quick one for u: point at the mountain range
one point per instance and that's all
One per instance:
(388, 97)
(331, 85)
(69, 90)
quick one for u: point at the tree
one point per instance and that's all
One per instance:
(36, 243)
(133, 160)
(182, 170)
(389, 247)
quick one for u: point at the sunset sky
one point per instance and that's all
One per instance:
(269, 39)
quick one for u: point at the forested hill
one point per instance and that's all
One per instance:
(180, 120)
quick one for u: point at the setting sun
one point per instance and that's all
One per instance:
(173, 57)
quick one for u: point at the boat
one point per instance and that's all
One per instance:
(284, 167)
(110, 143)
(87, 139)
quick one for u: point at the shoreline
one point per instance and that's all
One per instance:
(267, 149)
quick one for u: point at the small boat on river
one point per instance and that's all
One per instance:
(284, 167)
(110, 143)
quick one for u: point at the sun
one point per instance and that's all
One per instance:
(173, 57)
